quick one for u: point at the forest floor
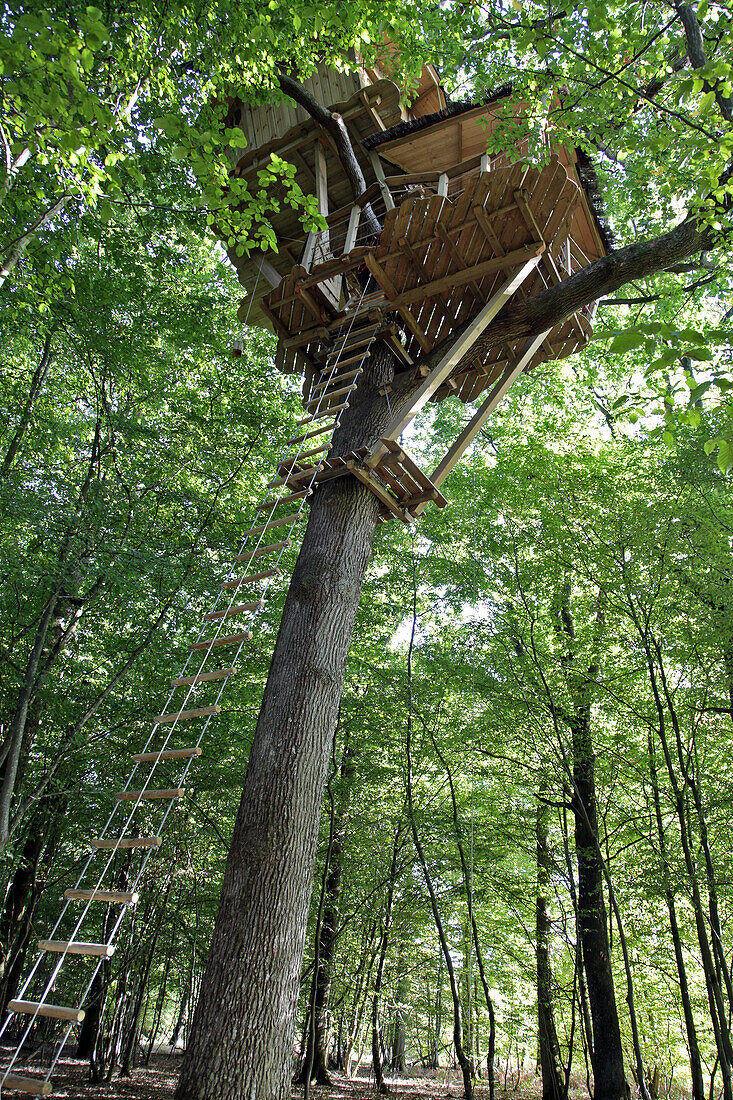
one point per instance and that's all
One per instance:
(158, 1081)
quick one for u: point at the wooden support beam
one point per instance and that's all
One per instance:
(352, 229)
(469, 433)
(468, 274)
(453, 356)
(381, 180)
(266, 269)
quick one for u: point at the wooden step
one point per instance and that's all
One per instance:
(272, 503)
(338, 377)
(250, 555)
(203, 677)
(301, 455)
(297, 477)
(133, 796)
(114, 897)
(113, 843)
(311, 435)
(183, 715)
(225, 639)
(316, 401)
(34, 1086)
(251, 579)
(76, 947)
(358, 358)
(56, 1012)
(236, 609)
(319, 416)
(274, 522)
(166, 754)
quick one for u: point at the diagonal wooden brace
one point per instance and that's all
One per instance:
(440, 372)
(482, 414)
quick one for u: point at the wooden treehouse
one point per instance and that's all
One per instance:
(461, 233)
(442, 237)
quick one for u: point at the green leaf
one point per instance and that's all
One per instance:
(628, 340)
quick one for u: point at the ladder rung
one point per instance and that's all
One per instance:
(249, 555)
(133, 796)
(34, 1086)
(113, 843)
(297, 476)
(319, 416)
(251, 579)
(272, 503)
(328, 396)
(305, 454)
(166, 754)
(115, 897)
(338, 377)
(273, 523)
(76, 947)
(237, 609)
(225, 639)
(311, 435)
(358, 358)
(57, 1012)
(203, 677)
(182, 715)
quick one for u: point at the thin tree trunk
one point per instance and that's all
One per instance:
(377, 1059)
(553, 1081)
(463, 1061)
(317, 1029)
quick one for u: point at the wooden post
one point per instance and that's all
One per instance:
(452, 357)
(352, 229)
(266, 269)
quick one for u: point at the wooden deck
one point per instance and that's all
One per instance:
(438, 260)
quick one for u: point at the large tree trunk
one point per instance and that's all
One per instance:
(241, 1039)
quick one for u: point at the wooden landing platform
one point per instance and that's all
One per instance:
(437, 262)
(395, 479)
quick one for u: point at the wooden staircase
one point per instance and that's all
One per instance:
(159, 770)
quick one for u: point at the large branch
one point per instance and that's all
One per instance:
(336, 127)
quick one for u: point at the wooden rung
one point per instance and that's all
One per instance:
(182, 715)
(113, 843)
(338, 377)
(34, 1086)
(236, 609)
(114, 897)
(166, 754)
(57, 1012)
(76, 947)
(358, 358)
(319, 416)
(133, 796)
(311, 435)
(225, 639)
(272, 503)
(203, 677)
(297, 476)
(273, 523)
(248, 555)
(252, 578)
(328, 396)
(299, 456)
